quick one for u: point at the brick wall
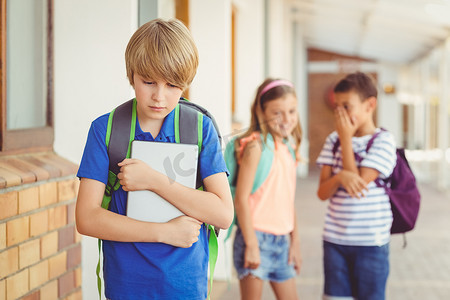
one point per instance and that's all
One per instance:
(40, 249)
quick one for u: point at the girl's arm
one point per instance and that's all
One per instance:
(295, 256)
(246, 176)
(93, 220)
(213, 206)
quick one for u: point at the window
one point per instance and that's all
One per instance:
(27, 76)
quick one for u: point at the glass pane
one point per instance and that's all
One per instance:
(26, 68)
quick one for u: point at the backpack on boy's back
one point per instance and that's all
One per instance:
(188, 126)
(401, 188)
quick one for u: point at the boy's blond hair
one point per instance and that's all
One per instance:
(163, 50)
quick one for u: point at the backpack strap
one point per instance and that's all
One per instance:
(120, 133)
(187, 117)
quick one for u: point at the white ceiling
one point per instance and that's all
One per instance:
(395, 31)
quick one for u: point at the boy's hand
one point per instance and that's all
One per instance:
(352, 183)
(252, 258)
(345, 126)
(134, 175)
(183, 232)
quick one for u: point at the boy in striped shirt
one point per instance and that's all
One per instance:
(358, 221)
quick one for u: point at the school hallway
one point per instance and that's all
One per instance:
(419, 271)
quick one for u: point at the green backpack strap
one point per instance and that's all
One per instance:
(187, 114)
(119, 134)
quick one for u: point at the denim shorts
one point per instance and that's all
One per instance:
(274, 254)
(355, 272)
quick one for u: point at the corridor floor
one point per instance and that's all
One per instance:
(421, 271)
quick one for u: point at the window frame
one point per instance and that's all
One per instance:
(14, 141)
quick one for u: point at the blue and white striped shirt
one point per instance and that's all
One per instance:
(365, 221)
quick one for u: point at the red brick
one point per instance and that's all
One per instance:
(73, 257)
(9, 261)
(33, 296)
(11, 178)
(49, 244)
(78, 279)
(71, 213)
(29, 253)
(57, 217)
(2, 236)
(67, 190)
(50, 169)
(39, 223)
(66, 283)
(57, 265)
(48, 194)
(17, 231)
(28, 199)
(17, 285)
(66, 237)
(50, 291)
(38, 274)
(75, 296)
(2, 289)
(20, 162)
(25, 173)
(10, 205)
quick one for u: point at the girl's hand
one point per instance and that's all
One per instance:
(345, 126)
(135, 175)
(182, 232)
(252, 258)
(295, 256)
(352, 183)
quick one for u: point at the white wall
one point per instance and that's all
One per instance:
(389, 113)
(249, 56)
(210, 24)
(279, 40)
(90, 79)
(300, 79)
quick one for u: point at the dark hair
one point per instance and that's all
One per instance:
(358, 82)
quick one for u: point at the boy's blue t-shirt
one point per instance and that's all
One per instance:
(152, 270)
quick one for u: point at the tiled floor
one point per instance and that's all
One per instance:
(421, 271)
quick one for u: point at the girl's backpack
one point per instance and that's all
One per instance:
(402, 189)
(262, 171)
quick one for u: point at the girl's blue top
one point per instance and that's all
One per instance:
(152, 270)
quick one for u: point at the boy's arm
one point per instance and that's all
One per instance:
(346, 130)
(329, 183)
(213, 206)
(93, 220)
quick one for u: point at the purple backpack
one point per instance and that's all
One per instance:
(403, 192)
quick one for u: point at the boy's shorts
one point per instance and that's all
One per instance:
(274, 254)
(355, 272)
